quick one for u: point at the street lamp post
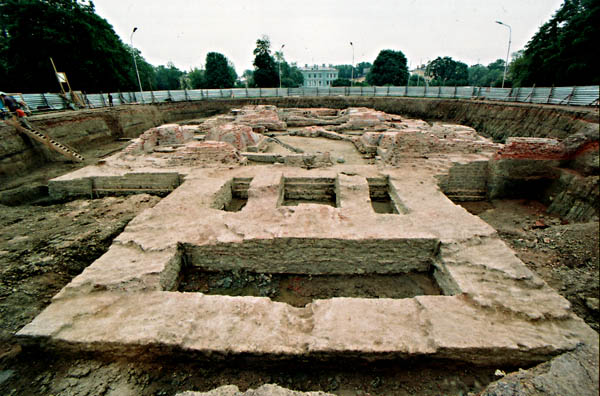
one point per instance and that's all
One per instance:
(279, 63)
(135, 64)
(508, 51)
(352, 66)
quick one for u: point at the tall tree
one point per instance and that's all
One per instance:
(168, 77)
(389, 68)
(81, 43)
(563, 51)
(485, 76)
(447, 71)
(265, 70)
(196, 77)
(219, 73)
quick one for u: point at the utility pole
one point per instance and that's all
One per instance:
(352, 66)
(508, 51)
(279, 62)
(135, 64)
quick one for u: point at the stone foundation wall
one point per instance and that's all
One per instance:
(130, 183)
(466, 182)
(316, 256)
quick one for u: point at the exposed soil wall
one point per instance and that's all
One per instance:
(82, 129)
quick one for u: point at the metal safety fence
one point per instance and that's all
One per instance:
(570, 96)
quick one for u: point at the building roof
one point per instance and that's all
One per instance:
(317, 68)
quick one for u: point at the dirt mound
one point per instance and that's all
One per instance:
(239, 136)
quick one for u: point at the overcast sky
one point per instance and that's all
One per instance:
(184, 31)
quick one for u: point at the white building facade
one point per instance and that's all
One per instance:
(318, 76)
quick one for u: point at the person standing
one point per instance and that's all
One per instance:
(9, 102)
(14, 107)
(3, 111)
(110, 100)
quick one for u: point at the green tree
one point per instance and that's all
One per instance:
(478, 75)
(485, 76)
(295, 76)
(168, 77)
(415, 80)
(196, 77)
(389, 68)
(82, 44)
(219, 72)
(345, 72)
(496, 73)
(563, 51)
(265, 70)
(291, 76)
(447, 71)
(360, 69)
(146, 70)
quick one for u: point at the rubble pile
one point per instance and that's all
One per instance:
(261, 118)
(204, 153)
(362, 118)
(532, 148)
(239, 136)
(164, 135)
(417, 139)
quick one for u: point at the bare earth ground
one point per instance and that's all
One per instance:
(338, 148)
(43, 247)
(564, 255)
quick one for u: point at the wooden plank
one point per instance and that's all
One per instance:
(47, 141)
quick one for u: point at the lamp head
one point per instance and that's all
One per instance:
(499, 22)
(134, 29)
(351, 43)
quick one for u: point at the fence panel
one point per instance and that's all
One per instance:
(416, 91)
(36, 101)
(296, 91)
(464, 92)
(337, 91)
(585, 96)
(96, 100)
(397, 91)
(540, 95)
(497, 94)
(524, 94)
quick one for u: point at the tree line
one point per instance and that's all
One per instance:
(86, 47)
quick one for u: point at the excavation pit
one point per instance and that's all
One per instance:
(298, 290)
(347, 261)
(381, 197)
(235, 197)
(302, 190)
